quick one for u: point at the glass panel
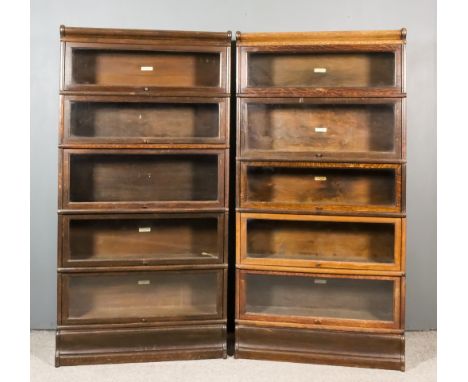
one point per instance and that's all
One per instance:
(304, 296)
(109, 67)
(124, 178)
(142, 120)
(320, 240)
(154, 239)
(321, 69)
(357, 128)
(321, 186)
(139, 295)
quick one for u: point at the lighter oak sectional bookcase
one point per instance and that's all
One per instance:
(321, 197)
(143, 196)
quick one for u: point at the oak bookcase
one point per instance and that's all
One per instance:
(143, 195)
(320, 212)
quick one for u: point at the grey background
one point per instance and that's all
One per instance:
(418, 16)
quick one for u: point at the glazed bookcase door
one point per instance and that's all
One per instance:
(321, 186)
(144, 68)
(294, 69)
(329, 300)
(143, 178)
(320, 241)
(144, 120)
(142, 296)
(143, 239)
(314, 128)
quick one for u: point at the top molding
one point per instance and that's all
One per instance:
(322, 38)
(156, 36)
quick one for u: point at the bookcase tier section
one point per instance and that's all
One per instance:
(125, 120)
(315, 128)
(350, 301)
(320, 241)
(320, 186)
(141, 296)
(159, 178)
(142, 239)
(142, 67)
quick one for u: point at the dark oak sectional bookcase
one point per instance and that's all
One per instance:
(143, 195)
(321, 197)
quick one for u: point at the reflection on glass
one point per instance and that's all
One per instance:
(320, 241)
(107, 67)
(376, 69)
(135, 239)
(304, 296)
(143, 177)
(142, 120)
(138, 295)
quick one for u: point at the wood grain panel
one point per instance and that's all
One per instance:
(319, 346)
(114, 345)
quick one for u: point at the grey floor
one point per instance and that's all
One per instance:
(420, 359)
